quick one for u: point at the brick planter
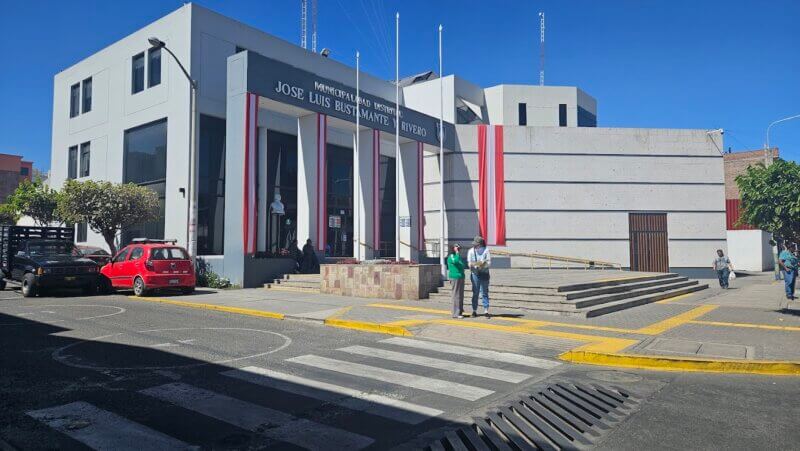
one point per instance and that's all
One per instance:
(380, 281)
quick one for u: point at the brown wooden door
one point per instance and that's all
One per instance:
(649, 242)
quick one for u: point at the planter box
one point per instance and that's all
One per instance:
(380, 281)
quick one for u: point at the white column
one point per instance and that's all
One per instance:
(366, 212)
(408, 203)
(307, 178)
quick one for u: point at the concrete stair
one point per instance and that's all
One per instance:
(298, 283)
(583, 299)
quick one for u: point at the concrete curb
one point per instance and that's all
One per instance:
(669, 363)
(368, 327)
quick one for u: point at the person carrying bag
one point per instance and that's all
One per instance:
(455, 272)
(479, 261)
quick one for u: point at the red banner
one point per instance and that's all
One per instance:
(491, 177)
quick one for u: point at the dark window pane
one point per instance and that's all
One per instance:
(154, 67)
(74, 100)
(211, 186)
(82, 232)
(562, 115)
(136, 253)
(23, 171)
(137, 73)
(586, 119)
(87, 95)
(281, 166)
(85, 158)
(72, 163)
(387, 204)
(340, 200)
(145, 163)
(523, 114)
(240, 49)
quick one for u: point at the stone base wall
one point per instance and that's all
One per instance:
(380, 281)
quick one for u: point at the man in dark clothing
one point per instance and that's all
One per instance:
(310, 264)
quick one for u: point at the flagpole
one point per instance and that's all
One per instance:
(441, 159)
(397, 138)
(357, 165)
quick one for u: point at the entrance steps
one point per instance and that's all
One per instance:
(582, 294)
(298, 283)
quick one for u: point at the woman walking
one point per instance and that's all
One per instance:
(479, 261)
(455, 272)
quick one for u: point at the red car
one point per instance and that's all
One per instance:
(147, 265)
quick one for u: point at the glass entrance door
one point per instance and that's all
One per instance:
(340, 201)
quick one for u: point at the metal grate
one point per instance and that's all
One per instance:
(561, 416)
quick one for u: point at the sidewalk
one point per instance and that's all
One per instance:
(748, 328)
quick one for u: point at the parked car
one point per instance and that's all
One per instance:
(40, 258)
(146, 265)
(94, 253)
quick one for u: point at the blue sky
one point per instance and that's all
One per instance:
(667, 64)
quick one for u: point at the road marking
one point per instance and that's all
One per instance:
(219, 308)
(164, 345)
(252, 417)
(353, 399)
(100, 429)
(439, 364)
(747, 325)
(674, 298)
(486, 354)
(366, 326)
(448, 388)
(677, 320)
(410, 308)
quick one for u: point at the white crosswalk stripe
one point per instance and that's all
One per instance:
(486, 354)
(350, 398)
(102, 430)
(453, 389)
(279, 425)
(448, 365)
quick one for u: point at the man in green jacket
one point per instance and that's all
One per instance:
(455, 272)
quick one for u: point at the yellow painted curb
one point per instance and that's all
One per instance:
(663, 363)
(368, 327)
(677, 320)
(218, 308)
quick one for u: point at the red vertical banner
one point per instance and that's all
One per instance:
(420, 198)
(491, 185)
(376, 190)
(322, 182)
(250, 196)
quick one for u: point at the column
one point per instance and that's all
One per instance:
(367, 208)
(409, 186)
(264, 193)
(312, 180)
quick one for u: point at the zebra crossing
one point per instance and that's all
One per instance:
(383, 383)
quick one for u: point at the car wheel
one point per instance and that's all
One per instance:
(104, 285)
(29, 287)
(139, 288)
(187, 290)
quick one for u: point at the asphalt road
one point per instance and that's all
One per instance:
(106, 372)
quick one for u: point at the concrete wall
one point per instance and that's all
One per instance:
(542, 104)
(749, 250)
(569, 190)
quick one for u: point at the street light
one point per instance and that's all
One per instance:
(776, 122)
(191, 225)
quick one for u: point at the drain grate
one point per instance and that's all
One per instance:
(560, 416)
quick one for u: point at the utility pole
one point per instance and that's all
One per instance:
(541, 48)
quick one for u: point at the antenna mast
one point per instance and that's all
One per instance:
(541, 48)
(314, 26)
(303, 23)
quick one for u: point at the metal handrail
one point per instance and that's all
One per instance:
(586, 263)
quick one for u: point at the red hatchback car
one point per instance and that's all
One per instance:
(147, 265)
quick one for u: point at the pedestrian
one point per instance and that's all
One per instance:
(310, 263)
(722, 265)
(776, 246)
(479, 261)
(789, 264)
(455, 272)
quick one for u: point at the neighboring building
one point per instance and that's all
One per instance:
(277, 119)
(13, 170)
(748, 247)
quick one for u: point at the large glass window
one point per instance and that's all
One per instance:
(86, 88)
(211, 186)
(85, 159)
(74, 100)
(153, 67)
(387, 187)
(281, 166)
(145, 163)
(523, 114)
(340, 201)
(137, 73)
(562, 115)
(586, 119)
(72, 163)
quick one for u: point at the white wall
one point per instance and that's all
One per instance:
(542, 104)
(749, 250)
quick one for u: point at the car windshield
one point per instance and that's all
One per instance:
(53, 248)
(168, 253)
(94, 251)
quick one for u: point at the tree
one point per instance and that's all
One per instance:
(8, 215)
(37, 200)
(107, 207)
(771, 198)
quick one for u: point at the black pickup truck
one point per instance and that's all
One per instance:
(41, 258)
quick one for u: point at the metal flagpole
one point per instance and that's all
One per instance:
(356, 169)
(397, 139)
(441, 159)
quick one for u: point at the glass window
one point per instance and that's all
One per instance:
(85, 158)
(137, 73)
(136, 253)
(168, 253)
(386, 184)
(586, 119)
(211, 186)
(145, 163)
(153, 67)
(74, 100)
(72, 163)
(121, 255)
(281, 166)
(523, 114)
(23, 171)
(562, 115)
(86, 88)
(82, 232)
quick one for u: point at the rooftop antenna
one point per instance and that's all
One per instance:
(303, 23)
(314, 26)
(541, 48)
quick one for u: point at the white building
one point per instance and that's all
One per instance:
(645, 198)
